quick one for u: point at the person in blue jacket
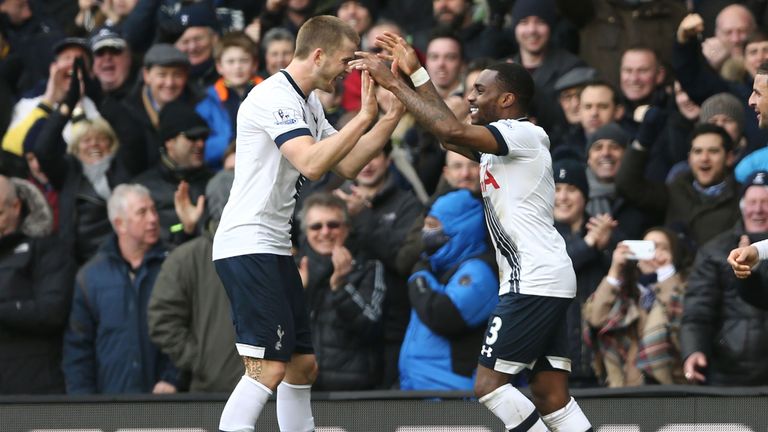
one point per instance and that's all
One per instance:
(452, 297)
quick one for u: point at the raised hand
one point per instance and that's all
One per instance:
(342, 266)
(690, 27)
(599, 230)
(374, 67)
(187, 213)
(743, 258)
(399, 51)
(368, 104)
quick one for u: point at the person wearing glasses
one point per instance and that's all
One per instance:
(345, 292)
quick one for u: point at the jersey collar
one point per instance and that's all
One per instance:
(293, 83)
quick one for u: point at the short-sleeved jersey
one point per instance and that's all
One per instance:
(258, 214)
(519, 195)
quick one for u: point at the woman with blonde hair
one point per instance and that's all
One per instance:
(84, 175)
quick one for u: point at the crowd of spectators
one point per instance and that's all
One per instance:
(119, 124)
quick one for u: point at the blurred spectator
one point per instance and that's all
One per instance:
(641, 78)
(136, 118)
(634, 313)
(445, 62)
(288, 14)
(96, 13)
(533, 26)
(35, 292)
(28, 110)
(181, 170)
(568, 88)
(588, 241)
(345, 297)
(700, 81)
(452, 296)
(459, 172)
(188, 304)
(106, 345)
(733, 25)
(27, 38)
(599, 104)
(477, 38)
(381, 215)
(723, 338)
(198, 35)
(604, 158)
(84, 174)
(360, 15)
(237, 62)
(725, 110)
(702, 202)
(277, 47)
(609, 27)
(112, 64)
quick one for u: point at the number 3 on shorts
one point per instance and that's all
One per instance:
(493, 331)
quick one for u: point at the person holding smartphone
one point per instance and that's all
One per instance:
(632, 314)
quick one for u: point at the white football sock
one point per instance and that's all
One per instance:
(294, 410)
(514, 409)
(244, 406)
(569, 418)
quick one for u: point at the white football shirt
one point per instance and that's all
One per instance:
(257, 216)
(519, 195)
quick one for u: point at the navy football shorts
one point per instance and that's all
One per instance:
(527, 332)
(268, 307)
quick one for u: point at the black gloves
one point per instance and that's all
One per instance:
(652, 125)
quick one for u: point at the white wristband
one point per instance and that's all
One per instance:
(419, 77)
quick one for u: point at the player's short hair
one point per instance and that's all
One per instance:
(235, 39)
(326, 200)
(325, 32)
(514, 78)
(762, 69)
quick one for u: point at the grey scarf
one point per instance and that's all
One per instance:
(601, 195)
(96, 173)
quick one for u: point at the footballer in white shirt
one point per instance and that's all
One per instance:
(527, 330)
(283, 139)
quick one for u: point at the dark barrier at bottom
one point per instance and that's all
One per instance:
(665, 409)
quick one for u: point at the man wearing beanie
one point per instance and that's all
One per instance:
(534, 21)
(715, 343)
(605, 150)
(701, 202)
(589, 242)
(725, 110)
(180, 171)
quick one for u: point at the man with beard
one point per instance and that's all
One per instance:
(527, 330)
(283, 139)
(478, 39)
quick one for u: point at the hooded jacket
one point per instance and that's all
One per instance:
(35, 289)
(452, 299)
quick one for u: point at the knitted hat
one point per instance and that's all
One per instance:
(544, 9)
(757, 178)
(572, 172)
(611, 131)
(723, 103)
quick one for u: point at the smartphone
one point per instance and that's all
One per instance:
(641, 249)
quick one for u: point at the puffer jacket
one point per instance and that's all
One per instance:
(347, 324)
(716, 321)
(107, 348)
(36, 275)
